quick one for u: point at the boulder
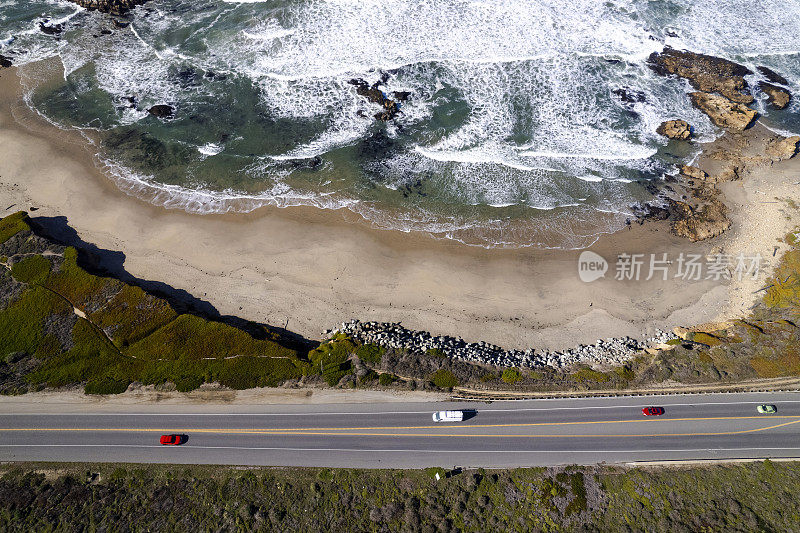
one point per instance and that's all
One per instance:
(373, 94)
(675, 129)
(628, 95)
(113, 7)
(778, 96)
(773, 76)
(162, 111)
(51, 30)
(700, 222)
(729, 173)
(782, 148)
(723, 112)
(5, 62)
(693, 172)
(708, 74)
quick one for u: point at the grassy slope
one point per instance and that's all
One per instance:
(748, 497)
(127, 335)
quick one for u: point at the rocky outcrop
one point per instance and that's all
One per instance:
(782, 148)
(778, 96)
(708, 74)
(773, 76)
(162, 111)
(723, 112)
(693, 172)
(5, 62)
(50, 29)
(699, 222)
(373, 93)
(113, 7)
(675, 129)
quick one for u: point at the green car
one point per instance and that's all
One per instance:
(767, 409)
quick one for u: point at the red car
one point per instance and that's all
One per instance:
(173, 440)
(653, 411)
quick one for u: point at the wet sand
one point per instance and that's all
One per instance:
(308, 269)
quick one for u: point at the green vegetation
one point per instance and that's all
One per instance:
(444, 379)
(331, 359)
(436, 352)
(127, 336)
(13, 224)
(387, 379)
(585, 375)
(69, 497)
(31, 270)
(25, 317)
(511, 375)
(370, 353)
(784, 291)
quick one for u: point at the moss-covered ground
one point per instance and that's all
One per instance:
(120, 334)
(72, 497)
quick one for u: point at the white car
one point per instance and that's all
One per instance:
(448, 416)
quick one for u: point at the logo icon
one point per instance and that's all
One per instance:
(591, 266)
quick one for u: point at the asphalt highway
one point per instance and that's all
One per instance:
(402, 435)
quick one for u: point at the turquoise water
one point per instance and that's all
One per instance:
(513, 134)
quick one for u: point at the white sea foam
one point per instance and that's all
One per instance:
(512, 101)
(210, 149)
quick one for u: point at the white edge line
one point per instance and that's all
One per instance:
(362, 450)
(352, 413)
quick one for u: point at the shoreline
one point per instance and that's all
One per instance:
(534, 231)
(308, 270)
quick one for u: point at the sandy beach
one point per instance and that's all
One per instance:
(308, 269)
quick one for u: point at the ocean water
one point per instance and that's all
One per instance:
(514, 134)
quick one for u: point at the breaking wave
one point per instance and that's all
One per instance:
(529, 123)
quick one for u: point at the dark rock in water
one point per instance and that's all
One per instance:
(373, 94)
(376, 146)
(708, 74)
(778, 96)
(106, 32)
(211, 75)
(649, 211)
(773, 76)
(5, 62)
(628, 95)
(121, 23)
(311, 164)
(723, 112)
(113, 7)
(129, 101)
(675, 129)
(187, 77)
(370, 92)
(51, 30)
(390, 110)
(162, 111)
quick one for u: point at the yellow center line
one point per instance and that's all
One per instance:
(378, 431)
